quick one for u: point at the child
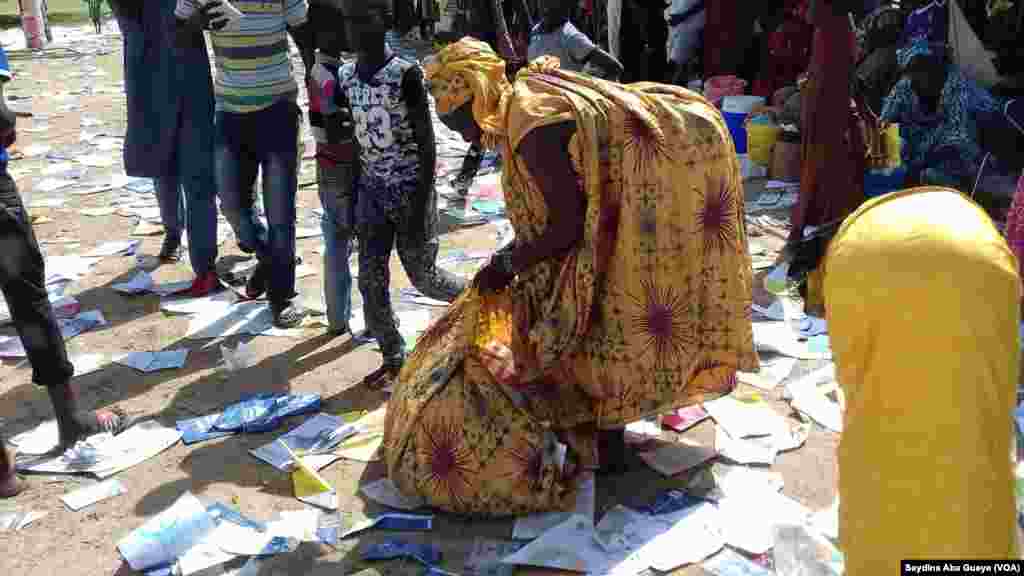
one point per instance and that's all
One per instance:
(335, 154)
(395, 196)
(257, 123)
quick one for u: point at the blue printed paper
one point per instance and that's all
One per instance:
(673, 501)
(394, 549)
(398, 522)
(200, 429)
(221, 512)
(264, 412)
(168, 535)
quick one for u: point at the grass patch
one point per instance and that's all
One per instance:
(61, 12)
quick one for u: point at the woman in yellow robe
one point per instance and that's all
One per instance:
(626, 293)
(922, 296)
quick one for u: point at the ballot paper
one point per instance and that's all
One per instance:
(168, 535)
(139, 283)
(760, 450)
(154, 361)
(302, 438)
(115, 248)
(671, 459)
(104, 455)
(392, 521)
(250, 317)
(771, 374)
(91, 494)
(384, 491)
(14, 520)
(742, 419)
(729, 563)
(753, 533)
(532, 526)
(82, 323)
(808, 397)
(685, 418)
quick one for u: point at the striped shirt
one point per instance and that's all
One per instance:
(253, 66)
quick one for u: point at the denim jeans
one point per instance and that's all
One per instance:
(187, 202)
(22, 280)
(335, 187)
(267, 141)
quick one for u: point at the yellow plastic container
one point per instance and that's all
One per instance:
(893, 145)
(761, 138)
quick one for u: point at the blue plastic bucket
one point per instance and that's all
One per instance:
(735, 121)
(877, 182)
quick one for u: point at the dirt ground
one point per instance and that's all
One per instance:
(71, 543)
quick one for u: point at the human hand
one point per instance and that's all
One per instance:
(495, 276)
(211, 16)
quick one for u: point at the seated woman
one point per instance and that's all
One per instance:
(937, 107)
(921, 295)
(625, 294)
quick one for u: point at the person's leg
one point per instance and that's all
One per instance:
(236, 171)
(195, 168)
(10, 484)
(336, 197)
(22, 279)
(376, 231)
(279, 161)
(417, 248)
(172, 211)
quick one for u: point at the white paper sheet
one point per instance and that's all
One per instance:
(778, 337)
(808, 397)
(250, 317)
(742, 419)
(94, 493)
(748, 519)
(671, 459)
(532, 526)
(104, 455)
(569, 545)
(168, 535)
(116, 248)
(772, 373)
(745, 450)
(214, 303)
(384, 491)
(154, 361)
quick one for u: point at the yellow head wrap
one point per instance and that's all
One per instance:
(469, 70)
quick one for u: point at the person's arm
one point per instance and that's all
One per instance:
(8, 119)
(301, 30)
(191, 19)
(545, 153)
(583, 50)
(414, 93)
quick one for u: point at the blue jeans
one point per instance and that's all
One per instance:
(187, 202)
(335, 187)
(264, 140)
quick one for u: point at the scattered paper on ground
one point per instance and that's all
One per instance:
(384, 491)
(671, 459)
(104, 455)
(168, 535)
(532, 526)
(94, 493)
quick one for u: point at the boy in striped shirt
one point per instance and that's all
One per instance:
(257, 123)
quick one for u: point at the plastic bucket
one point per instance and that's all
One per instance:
(761, 138)
(735, 122)
(879, 182)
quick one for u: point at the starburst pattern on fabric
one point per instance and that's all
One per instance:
(717, 219)
(659, 318)
(645, 141)
(528, 464)
(448, 461)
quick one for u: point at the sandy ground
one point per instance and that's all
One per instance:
(71, 543)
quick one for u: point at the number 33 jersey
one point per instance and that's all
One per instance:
(387, 139)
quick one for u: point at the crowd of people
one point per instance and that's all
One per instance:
(627, 292)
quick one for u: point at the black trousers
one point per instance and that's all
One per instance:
(23, 282)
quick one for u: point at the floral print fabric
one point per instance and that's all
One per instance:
(651, 311)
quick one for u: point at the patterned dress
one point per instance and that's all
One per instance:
(650, 311)
(943, 145)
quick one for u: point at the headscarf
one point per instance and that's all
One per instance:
(469, 70)
(917, 47)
